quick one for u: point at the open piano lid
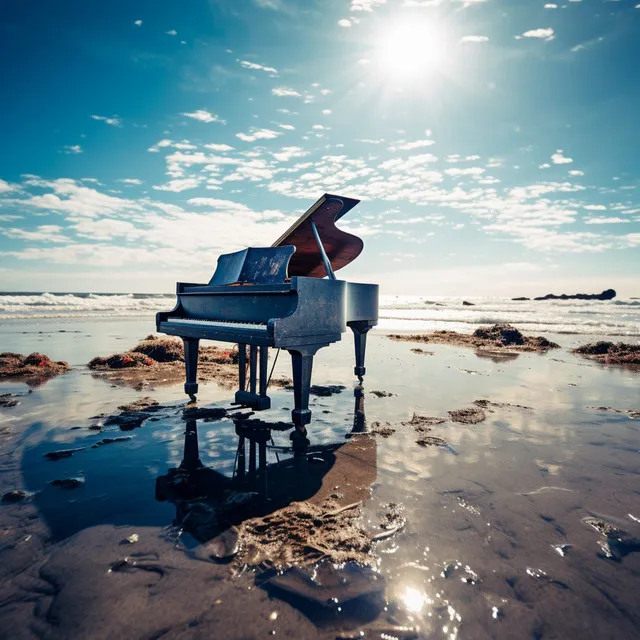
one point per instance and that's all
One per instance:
(341, 247)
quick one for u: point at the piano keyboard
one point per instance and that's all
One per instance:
(255, 326)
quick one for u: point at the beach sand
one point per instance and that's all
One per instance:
(496, 497)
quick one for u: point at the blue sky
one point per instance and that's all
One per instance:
(494, 143)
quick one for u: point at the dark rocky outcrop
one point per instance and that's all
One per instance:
(467, 304)
(520, 299)
(607, 294)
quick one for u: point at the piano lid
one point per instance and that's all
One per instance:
(341, 247)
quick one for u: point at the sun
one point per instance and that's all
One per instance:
(410, 50)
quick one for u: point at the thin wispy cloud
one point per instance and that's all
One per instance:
(72, 149)
(254, 66)
(113, 121)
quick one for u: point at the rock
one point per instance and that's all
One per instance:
(467, 416)
(68, 483)
(104, 441)
(328, 585)
(207, 414)
(146, 404)
(382, 394)
(423, 424)
(8, 400)
(520, 299)
(428, 441)
(222, 547)
(62, 453)
(467, 304)
(382, 430)
(607, 294)
(329, 390)
(127, 421)
(203, 522)
(16, 495)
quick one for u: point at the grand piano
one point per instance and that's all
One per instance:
(285, 296)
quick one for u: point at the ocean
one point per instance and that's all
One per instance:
(619, 317)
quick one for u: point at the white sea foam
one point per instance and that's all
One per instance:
(397, 313)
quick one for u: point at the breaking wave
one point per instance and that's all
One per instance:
(399, 313)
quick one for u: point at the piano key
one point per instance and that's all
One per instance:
(255, 326)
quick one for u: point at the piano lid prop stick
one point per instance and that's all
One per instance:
(323, 253)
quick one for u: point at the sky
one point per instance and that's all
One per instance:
(493, 143)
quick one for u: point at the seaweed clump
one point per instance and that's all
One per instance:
(611, 353)
(304, 533)
(36, 367)
(495, 336)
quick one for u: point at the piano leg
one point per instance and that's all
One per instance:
(360, 329)
(191, 366)
(302, 363)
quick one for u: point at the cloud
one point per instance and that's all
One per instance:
(257, 67)
(138, 23)
(258, 134)
(218, 147)
(541, 34)
(611, 220)
(43, 233)
(173, 32)
(407, 146)
(468, 171)
(203, 115)
(474, 39)
(344, 23)
(113, 121)
(130, 181)
(284, 92)
(275, 5)
(5, 187)
(178, 185)
(576, 172)
(559, 158)
(326, 112)
(550, 6)
(72, 149)
(287, 127)
(365, 5)
(286, 153)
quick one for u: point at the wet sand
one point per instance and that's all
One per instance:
(500, 503)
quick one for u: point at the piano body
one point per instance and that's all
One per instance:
(286, 297)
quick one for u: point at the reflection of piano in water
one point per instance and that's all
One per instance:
(208, 501)
(276, 297)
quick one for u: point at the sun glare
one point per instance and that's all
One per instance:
(410, 50)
